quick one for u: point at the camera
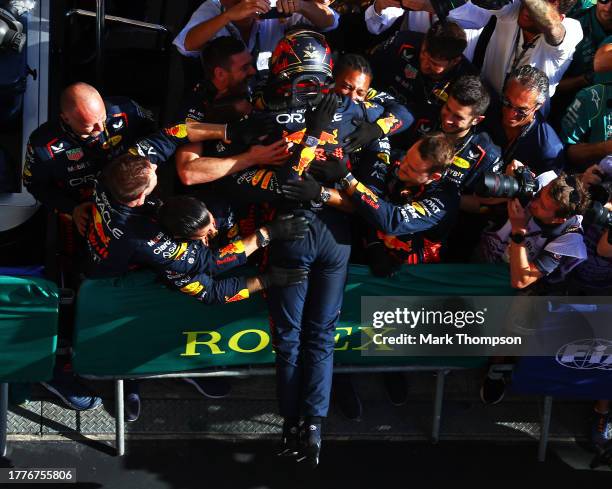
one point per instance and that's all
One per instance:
(522, 185)
(12, 37)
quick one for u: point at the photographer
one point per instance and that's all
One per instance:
(594, 275)
(542, 240)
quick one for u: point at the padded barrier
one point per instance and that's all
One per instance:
(135, 326)
(28, 328)
(582, 368)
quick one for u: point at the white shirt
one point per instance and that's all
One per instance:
(264, 36)
(506, 44)
(468, 16)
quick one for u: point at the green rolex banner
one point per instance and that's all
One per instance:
(28, 328)
(136, 326)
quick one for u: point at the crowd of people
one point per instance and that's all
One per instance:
(480, 133)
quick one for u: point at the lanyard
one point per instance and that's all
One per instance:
(511, 149)
(465, 142)
(526, 47)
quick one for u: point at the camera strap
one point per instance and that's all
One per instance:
(508, 153)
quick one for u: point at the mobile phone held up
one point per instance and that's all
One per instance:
(273, 13)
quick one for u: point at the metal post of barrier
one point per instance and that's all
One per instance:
(119, 421)
(3, 417)
(545, 428)
(100, 19)
(437, 408)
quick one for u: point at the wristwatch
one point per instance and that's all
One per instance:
(324, 196)
(346, 182)
(517, 238)
(262, 241)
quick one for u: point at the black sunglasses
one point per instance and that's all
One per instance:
(603, 2)
(522, 113)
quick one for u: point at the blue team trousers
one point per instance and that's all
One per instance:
(303, 317)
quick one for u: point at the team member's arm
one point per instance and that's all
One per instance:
(205, 31)
(371, 166)
(546, 16)
(381, 14)
(317, 13)
(194, 168)
(398, 219)
(384, 116)
(396, 117)
(232, 289)
(160, 146)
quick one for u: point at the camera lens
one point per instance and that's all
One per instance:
(496, 185)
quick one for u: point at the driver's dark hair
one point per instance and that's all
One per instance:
(183, 216)
(352, 61)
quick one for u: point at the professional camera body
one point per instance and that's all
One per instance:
(12, 37)
(522, 185)
(601, 194)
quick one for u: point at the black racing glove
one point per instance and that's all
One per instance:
(302, 190)
(319, 118)
(329, 171)
(288, 227)
(365, 133)
(249, 131)
(381, 263)
(282, 277)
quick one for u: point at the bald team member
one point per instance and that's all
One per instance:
(64, 155)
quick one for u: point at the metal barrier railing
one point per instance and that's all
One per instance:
(101, 18)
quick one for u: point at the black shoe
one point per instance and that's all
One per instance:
(395, 385)
(211, 387)
(310, 444)
(347, 399)
(290, 441)
(493, 389)
(132, 401)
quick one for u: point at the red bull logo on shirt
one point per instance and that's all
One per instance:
(233, 248)
(241, 295)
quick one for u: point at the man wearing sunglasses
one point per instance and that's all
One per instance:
(522, 132)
